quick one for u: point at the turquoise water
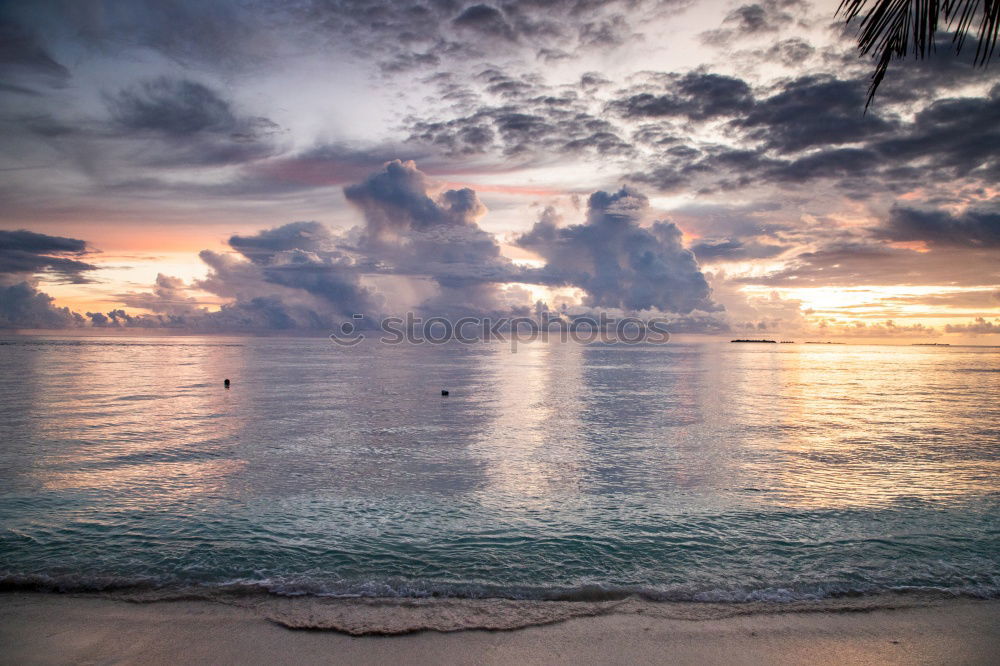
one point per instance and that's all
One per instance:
(677, 472)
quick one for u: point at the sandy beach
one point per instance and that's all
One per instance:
(39, 628)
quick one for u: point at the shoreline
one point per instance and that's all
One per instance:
(44, 627)
(364, 615)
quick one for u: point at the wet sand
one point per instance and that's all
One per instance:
(40, 628)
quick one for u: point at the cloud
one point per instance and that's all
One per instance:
(518, 116)
(619, 263)
(169, 296)
(25, 58)
(979, 298)
(193, 122)
(862, 329)
(290, 277)
(974, 228)
(812, 110)
(302, 275)
(981, 326)
(395, 201)
(23, 306)
(486, 20)
(411, 230)
(25, 253)
(730, 249)
(698, 96)
(262, 247)
(749, 20)
(856, 260)
(294, 268)
(940, 134)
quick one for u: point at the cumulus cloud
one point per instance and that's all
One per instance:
(981, 326)
(23, 306)
(301, 275)
(619, 263)
(411, 229)
(294, 274)
(289, 277)
(26, 255)
(395, 201)
(168, 296)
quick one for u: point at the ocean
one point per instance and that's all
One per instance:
(682, 472)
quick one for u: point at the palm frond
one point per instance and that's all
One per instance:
(892, 29)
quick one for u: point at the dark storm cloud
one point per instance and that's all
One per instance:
(23, 306)
(295, 256)
(172, 106)
(813, 129)
(619, 263)
(973, 228)
(395, 200)
(195, 124)
(26, 253)
(941, 133)
(813, 110)
(697, 96)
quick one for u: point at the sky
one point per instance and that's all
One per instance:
(244, 165)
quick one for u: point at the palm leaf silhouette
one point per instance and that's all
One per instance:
(891, 29)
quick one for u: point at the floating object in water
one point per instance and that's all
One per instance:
(444, 392)
(226, 383)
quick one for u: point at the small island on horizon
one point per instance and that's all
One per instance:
(768, 341)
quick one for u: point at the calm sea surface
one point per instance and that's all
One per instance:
(691, 472)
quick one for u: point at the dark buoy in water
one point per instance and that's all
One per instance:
(444, 392)
(226, 383)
